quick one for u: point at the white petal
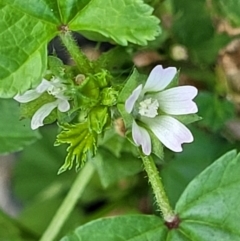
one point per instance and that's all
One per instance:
(55, 80)
(159, 78)
(169, 131)
(141, 138)
(34, 93)
(41, 114)
(129, 104)
(178, 100)
(63, 105)
(27, 96)
(43, 86)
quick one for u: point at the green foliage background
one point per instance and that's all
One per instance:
(119, 185)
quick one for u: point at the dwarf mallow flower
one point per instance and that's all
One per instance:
(53, 87)
(155, 107)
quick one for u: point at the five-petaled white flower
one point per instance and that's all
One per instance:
(154, 106)
(55, 88)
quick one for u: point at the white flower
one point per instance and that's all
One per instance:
(153, 105)
(54, 88)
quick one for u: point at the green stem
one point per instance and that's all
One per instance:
(158, 189)
(68, 203)
(82, 62)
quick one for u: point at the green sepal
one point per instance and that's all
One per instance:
(81, 142)
(132, 82)
(187, 119)
(98, 118)
(95, 89)
(127, 119)
(174, 82)
(102, 78)
(56, 66)
(108, 96)
(157, 146)
(87, 93)
(27, 110)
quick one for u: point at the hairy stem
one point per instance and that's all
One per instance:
(158, 189)
(80, 59)
(68, 203)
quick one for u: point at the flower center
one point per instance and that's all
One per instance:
(56, 89)
(148, 108)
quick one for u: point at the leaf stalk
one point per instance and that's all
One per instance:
(80, 59)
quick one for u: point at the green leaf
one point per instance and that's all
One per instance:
(132, 227)
(209, 206)
(27, 29)
(112, 169)
(23, 52)
(46, 11)
(54, 12)
(15, 134)
(81, 141)
(69, 9)
(128, 21)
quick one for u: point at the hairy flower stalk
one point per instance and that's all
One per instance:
(154, 107)
(53, 87)
(158, 189)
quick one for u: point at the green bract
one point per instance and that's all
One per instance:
(27, 29)
(81, 141)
